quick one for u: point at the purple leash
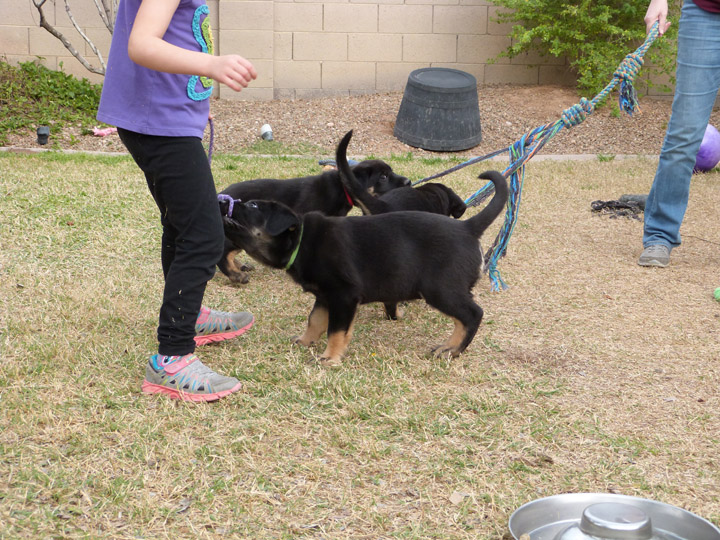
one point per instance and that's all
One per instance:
(212, 139)
(221, 196)
(231, 202)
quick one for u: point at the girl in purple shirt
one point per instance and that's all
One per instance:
(158, 81)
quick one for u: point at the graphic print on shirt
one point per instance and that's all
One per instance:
(203, 35)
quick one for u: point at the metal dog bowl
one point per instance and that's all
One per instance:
(604, 516)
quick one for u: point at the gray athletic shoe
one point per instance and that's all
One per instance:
(186, 378)
(213, 326)
(655, 255)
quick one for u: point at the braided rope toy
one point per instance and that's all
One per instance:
(530, 143)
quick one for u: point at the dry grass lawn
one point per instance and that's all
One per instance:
(589, 374)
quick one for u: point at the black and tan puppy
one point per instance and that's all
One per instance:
(432, 197)
(321, 193)
(386, 258)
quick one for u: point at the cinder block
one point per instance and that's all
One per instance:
(460, 20)
(433, 3)
(535, 58)
(283, 45)
(348, 75)
(14, 40)
(476, 70)
(284, 93)
(214, 14)
(320, 46)
(101, 38)
(84, 12)
(497, 28)
(22, 13)
(245, 15)
(320, 93)
(508, 74)
(72, 66)
(481, 49)
(43, 43)
(560, 75)
(266, 73)
(393, 76)
(375, 47)
(249, 94)
(350, 18)
(297, 74)
(379, 2)
(14, 59)
(430, 48)
(298, 17)
(252, 44)
(405, 19)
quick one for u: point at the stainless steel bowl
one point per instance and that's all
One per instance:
(600, 516)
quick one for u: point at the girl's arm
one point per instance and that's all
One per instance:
(147, 47)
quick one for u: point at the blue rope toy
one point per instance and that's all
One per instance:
(530, 143)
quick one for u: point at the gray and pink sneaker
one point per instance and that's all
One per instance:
(186, 378)
(213, 326)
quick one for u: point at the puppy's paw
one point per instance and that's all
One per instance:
(239, 278)
(330, 361)
(301, 340)
(247, 267)
(443, 351)
(394, 312)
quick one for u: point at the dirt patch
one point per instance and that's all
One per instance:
(507, 112)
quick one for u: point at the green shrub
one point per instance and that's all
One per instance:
(595, 36)
(32, 95)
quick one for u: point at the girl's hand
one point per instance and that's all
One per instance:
(232, 70)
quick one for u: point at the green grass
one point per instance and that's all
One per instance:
(392, 444)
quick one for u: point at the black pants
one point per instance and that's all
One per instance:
(179, 177)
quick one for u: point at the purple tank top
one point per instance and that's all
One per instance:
(152, 102)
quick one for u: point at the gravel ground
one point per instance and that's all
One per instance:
(506, 113)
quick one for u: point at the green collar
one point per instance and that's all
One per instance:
(295, 251)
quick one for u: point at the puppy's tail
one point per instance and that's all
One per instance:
(352, 186)
(479, 222)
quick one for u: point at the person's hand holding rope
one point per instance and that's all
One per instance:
(657, 12)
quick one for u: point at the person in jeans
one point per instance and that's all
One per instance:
(158, 81)
(697, 84)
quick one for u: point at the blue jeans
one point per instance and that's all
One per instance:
(697, 83)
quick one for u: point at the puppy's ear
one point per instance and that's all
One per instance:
(457, 208)
(279, 222)
(457, 205)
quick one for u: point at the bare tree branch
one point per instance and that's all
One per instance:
(84, 36)
(68, 45)
(107, 13)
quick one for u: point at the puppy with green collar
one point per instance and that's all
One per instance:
(387, 258)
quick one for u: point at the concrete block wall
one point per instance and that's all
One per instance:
(310, 48)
